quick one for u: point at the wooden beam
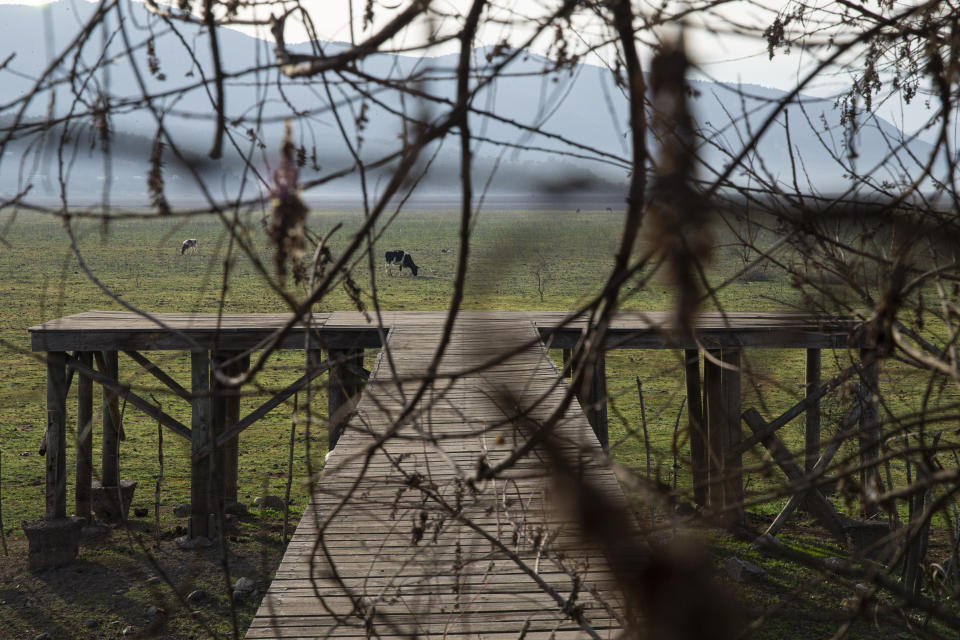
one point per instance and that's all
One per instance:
(567, 362)
(159, 374)
(869, 429)
(110, 438)
(799, 408)
(698, 442)
(732, 458)
(593, 399)
(226, 413)
(345, 383)
(819, 506)
(124, 391)
(819, 468)
(56, 436)
(715, 418)
(84, 473)
(231, 448)
(277, 399)
(217, 425)
(812, 427)
(732, 337)
(200, 439)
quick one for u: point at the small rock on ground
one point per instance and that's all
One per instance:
(741, 570)
(245, 584)
(199, 595)
(269, 502)
(235, 508)
(43, 636)
(188, 544)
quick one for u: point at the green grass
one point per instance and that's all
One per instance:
(41, 279)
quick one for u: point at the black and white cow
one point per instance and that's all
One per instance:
(402, 259)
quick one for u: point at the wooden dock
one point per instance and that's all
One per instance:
(406, 537)
(426, 520)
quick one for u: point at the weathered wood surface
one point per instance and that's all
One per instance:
(119, 330)
(84, 440)
(56, 436)
(398, 542)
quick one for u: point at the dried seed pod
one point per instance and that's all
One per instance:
(288, 214)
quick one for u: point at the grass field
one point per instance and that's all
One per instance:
(41, 279)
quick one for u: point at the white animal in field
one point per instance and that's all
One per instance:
(189, 245)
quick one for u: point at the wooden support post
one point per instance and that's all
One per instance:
(200, 435)
(722, 394)
(698, 441)
(568, 362)
(732, 459)
(346, 381)
(869, 429)
(812, 432)
(56, 436)
(225, 413)
(109, 450)
(231, 451)
(593, 399)
(713, 411)
(217, 425)
(84, 474)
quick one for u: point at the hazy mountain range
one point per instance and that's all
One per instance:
(584, 106)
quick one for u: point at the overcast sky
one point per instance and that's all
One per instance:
(718, 55)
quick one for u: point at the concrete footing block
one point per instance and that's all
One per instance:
(111, 504)
(53, 543)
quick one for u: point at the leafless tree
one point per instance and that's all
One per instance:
(879, 244)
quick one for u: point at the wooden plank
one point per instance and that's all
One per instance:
(56, 436)
(200, 437)
(84, 439)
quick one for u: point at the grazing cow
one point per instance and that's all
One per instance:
(402, 259)
(191, 245)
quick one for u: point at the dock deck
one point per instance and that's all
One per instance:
(405, 537)
(435, 515)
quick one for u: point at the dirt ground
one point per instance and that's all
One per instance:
(125, 584)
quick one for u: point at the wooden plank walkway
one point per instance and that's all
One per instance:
(398, 540)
